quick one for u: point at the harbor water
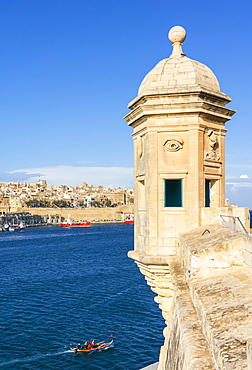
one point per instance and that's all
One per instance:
(62, 285)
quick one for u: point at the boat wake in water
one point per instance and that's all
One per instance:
(31, 358)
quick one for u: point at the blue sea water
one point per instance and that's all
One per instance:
(71, 285)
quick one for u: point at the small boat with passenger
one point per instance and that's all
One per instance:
(90, 347)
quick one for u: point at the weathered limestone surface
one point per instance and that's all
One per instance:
(186, 347)
(236, 218)
(249, 353)
(210, 321)
(209, 249)
(221, 291)
(224, 305)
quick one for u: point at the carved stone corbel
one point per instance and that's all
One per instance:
(157, 274)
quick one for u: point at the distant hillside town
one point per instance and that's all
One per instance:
(15, 195)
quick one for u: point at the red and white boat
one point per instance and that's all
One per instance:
(129, 219)
(68, 222)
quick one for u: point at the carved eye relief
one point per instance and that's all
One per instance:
(173, 145)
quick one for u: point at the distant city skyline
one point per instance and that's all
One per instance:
(112, 177)
(69, 69)
(14, 196)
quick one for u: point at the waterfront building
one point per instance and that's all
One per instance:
(40, 194)
(15, 202)
(23, 217)
(4, 204)
(187, 257)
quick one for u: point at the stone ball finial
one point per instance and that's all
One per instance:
(177, 34)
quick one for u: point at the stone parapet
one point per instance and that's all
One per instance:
(185, 346)
(221, 291)
(205, 294)
(224, 305)
(209, 249)
(233, 217)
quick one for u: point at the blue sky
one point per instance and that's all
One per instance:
(68, 69)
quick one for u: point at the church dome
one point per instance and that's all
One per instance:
(178, 73)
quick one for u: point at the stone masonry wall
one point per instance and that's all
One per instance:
(212, 308)
(78, 214)
(186, 346)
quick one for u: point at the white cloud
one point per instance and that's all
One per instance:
(239, 191)
(71, 175)
(235, 186)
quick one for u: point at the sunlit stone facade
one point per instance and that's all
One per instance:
(178, 121)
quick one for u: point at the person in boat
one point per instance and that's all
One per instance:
(74, 349)
(94, 345)
(84, 345)
(89, 345)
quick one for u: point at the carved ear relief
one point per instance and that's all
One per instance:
(213, 145)
(173, 144)
(140, 146)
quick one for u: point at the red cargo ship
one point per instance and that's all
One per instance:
(70, 223)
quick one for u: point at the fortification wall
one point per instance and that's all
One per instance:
(185, 347)
(209, 326)
(78, 214)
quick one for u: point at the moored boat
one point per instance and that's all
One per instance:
(129, 219)
(5, 227)
(68, 222)
(21, 226)
(91, 347)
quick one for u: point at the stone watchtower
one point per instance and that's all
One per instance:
(179, 120)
